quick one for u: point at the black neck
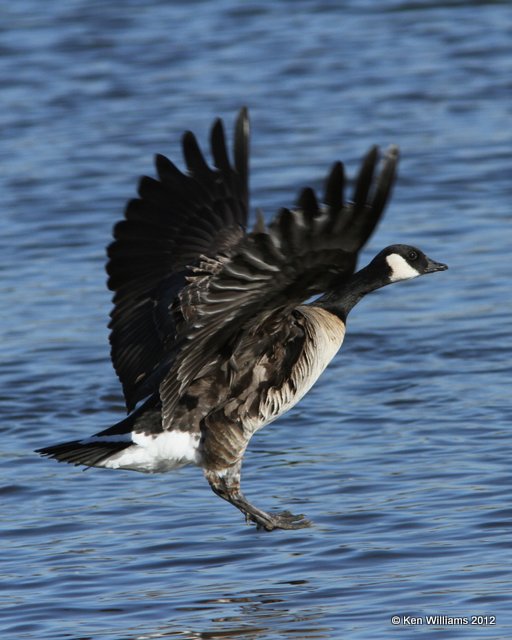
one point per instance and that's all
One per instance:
(342, 299)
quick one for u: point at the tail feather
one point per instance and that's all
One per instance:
(91, 452)
(94, 451)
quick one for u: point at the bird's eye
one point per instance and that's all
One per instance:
(412, 255)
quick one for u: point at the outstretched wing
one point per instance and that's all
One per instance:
(302, 253)
(176, 219)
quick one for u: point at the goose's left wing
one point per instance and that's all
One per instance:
(302, 253)
(174, 221)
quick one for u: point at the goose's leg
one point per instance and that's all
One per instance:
(226, 484)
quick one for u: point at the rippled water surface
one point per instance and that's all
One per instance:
(400, 455)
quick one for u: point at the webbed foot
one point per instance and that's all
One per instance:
(227, 486)
(279, 520)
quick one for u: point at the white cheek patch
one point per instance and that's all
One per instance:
(400, 268)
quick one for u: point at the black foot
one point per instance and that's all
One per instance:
(280, 520)
(227, 486)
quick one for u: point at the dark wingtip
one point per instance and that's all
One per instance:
(242, 133)
(334, 184)
(365, 177)
(371, 193)
(241, 148)
(386, 179)
(307, 202)
(218, 146)
(193, 155)
(243, 114)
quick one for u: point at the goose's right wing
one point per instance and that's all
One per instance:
(302, 253)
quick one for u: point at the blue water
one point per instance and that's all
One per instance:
(401, 453)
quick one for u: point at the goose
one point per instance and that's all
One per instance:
(213, 332)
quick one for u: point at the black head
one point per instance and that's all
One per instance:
(403, 262)
(394, 263)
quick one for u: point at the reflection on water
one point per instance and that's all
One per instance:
(258, 615)
(399, 455)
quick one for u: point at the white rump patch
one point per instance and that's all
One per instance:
(157, 453)
(400, 268)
